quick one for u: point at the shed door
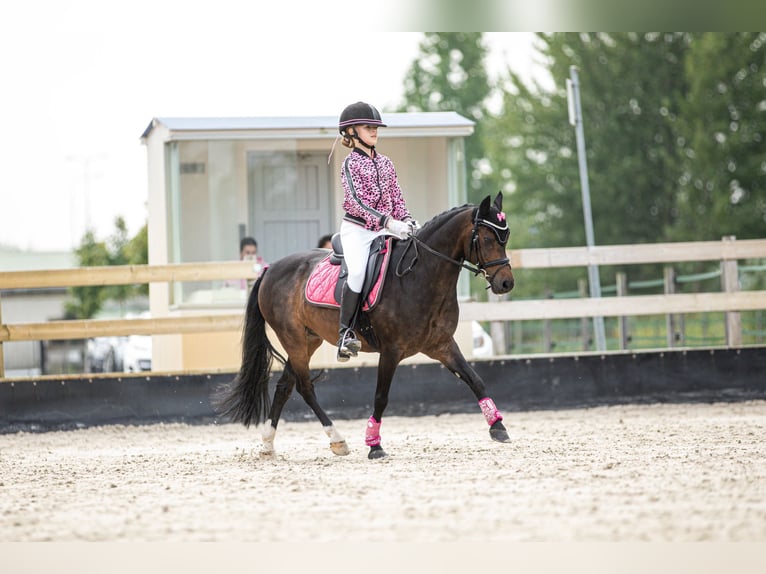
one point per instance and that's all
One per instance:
(289, 198)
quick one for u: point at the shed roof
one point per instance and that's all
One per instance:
(403, 124)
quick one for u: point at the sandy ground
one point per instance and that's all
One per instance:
(689, 472)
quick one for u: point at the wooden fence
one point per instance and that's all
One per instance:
(728, 251)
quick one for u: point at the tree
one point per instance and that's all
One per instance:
(450, 75)
(118, 243)
(632, 89)
(722, 189)
(137, 253)
(86, 302)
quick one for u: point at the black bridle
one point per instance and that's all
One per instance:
(480, 268)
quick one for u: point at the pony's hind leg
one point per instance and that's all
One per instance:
(338, 444)
(285, 386)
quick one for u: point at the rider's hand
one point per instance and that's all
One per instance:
(398, 228)
(413, 224)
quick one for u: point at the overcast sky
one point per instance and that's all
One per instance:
(82, 80)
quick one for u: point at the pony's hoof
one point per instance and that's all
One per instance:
(340, 448)
(497, 432)
(376, 452)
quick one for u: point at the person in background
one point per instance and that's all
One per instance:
(248, 251)
(373, 206)
(325, 242)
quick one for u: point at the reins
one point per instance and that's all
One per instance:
(415, 241)
(476, 269)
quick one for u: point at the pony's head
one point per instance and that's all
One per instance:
(488, 244)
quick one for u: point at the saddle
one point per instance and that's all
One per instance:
(325, 284)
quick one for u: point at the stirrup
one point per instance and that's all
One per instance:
(348, 346)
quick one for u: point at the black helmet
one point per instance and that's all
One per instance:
(358, 114)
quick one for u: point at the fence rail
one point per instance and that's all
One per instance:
(726, 249)
(126, 275)
(613, 306)
(728, 252)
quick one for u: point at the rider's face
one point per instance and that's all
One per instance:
(368, 134)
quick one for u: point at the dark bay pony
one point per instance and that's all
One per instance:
(417, 313)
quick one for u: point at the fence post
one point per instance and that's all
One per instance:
(547, 328)
(582, 287)
(730, 284)
(497, 329)
(517, 342)
(681, 326)
(622, 291)
(669, 278)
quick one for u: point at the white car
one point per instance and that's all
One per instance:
(137, 354)
(482, 342)
(104, 354)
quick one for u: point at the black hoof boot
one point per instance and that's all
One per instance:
(497, 432)
(376, 452)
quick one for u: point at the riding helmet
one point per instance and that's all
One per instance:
(358, 114)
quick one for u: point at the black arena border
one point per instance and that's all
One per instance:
(524, 383)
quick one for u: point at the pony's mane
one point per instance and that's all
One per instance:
(436, 220)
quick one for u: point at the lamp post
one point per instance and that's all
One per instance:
(575, 118)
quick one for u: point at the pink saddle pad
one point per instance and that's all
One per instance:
(320, 287)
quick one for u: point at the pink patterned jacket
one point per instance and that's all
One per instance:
(372, 192)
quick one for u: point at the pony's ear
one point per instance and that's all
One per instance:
(499, 201)
(484, 207)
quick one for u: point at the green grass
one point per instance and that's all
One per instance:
(645, 332)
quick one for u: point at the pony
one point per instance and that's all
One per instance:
(417, 313)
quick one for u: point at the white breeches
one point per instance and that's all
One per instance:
(356, 249)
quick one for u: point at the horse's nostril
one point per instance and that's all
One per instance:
(504, 286)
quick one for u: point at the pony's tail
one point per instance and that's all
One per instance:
(247, 399)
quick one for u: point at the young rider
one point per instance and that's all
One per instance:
(373, 206)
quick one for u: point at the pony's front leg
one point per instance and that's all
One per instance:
(372, 439)
(494, 419)
(453, 359)
(386, 367)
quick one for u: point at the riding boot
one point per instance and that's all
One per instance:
(348, 344)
